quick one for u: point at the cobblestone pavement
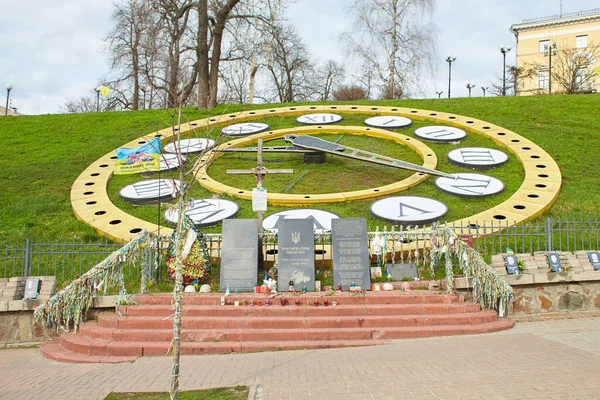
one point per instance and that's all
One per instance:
(556, 359)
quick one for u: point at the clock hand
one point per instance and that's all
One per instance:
(313, 143)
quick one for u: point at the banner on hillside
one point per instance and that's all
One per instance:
(138, 159)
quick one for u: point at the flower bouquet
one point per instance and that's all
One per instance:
(194, 268)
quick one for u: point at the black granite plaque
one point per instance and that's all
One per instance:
(400, 271)
(554, 261)
(31, 288)
(594, 257)
(239, 255)
(349, 243)
(296, 254)
(512, 264)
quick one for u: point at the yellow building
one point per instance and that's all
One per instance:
(559, 54)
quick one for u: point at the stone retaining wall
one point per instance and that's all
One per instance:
(17, 327)
(540, 292)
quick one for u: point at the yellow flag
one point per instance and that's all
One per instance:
(104, 91)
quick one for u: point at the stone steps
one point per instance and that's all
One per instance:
(113, 321)
(345, 298)
(299, 311)
(209, 328)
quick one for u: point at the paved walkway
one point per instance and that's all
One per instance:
(558, 359)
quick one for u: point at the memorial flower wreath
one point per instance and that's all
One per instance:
(196, 265)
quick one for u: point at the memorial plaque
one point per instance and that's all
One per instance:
(239, 255)
(400, 271)
(594, 257)
(31, 288)
(296, 253)
(349, 243)
(512, 265)
(554, 261)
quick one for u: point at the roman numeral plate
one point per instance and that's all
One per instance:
(206, 212)
(440, 134)
(170, 161)
(319, 119)
(388, 122)
(409, 210)
(186, 146)
(321, 219)
(150, 190)
(470, 185)
(477, 157)
(247, 128)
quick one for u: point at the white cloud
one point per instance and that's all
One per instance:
(52, 51)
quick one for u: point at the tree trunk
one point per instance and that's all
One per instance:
(202, 55)
(177, 290)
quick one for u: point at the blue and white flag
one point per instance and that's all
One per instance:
(143, 158)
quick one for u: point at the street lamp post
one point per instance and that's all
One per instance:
(504, 50)
(97, 98)
(8, 89)
(470, 86)
(484, 88)
(549, 51)
(450, 60)
(439, 93)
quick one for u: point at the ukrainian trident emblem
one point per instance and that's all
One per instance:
(295, 237)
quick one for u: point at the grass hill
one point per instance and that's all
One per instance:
(42, 155)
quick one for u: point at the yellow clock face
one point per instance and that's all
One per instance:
(538, 190)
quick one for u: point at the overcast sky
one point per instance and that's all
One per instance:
(53, 51)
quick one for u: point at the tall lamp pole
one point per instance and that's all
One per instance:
(439, 93)
(549, 51)
(484, 88)
(450, 60)
(504, 50)
(97, 98)
(470, 86)
(8, 89)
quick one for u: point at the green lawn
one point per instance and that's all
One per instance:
(42, 156)
(233, 393)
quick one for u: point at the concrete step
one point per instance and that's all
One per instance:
(53, 351)
(392, 297)
(209, 328)
(113, 321)
(301, 310)
(79, 350)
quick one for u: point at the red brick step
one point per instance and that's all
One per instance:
(367, 319)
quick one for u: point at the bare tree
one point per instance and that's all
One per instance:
(395, 39)
(516, 78)
(290, 70)
(350, 93)
(131, 20)
(327, 79)
(573, 68)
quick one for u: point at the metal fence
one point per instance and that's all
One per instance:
(66, 261)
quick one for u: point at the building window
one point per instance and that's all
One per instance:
(581, 42)
(543, 79)
(581, 75)
(544, 45)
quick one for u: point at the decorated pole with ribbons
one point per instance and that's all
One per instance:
(68, 308)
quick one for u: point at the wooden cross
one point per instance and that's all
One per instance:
(260, 172)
